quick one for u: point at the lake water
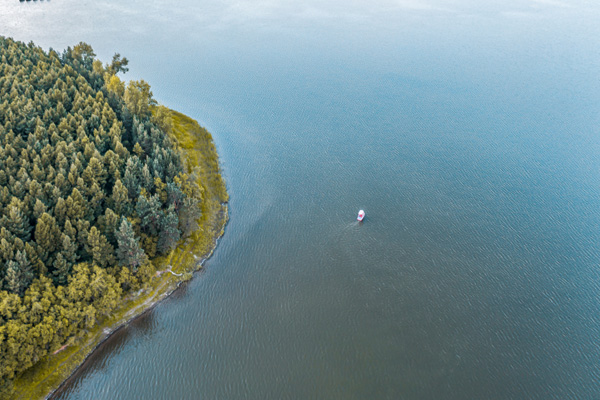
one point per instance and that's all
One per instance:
(468, 131)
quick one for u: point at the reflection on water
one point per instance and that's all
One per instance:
(467, 130)
(139, 329)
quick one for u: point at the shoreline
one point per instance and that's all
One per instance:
(151, 306)
(49, 375)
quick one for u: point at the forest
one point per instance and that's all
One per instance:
(92, 189)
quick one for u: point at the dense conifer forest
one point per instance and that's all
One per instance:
(91, 190)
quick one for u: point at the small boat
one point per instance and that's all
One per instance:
(361, 215)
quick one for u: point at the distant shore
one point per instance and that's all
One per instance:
(201, 161)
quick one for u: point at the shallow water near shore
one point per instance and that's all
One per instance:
(468, 132)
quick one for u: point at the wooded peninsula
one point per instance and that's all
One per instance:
(107, 202)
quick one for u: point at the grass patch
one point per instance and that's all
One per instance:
(201, 161)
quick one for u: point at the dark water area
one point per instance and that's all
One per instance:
(469, 133)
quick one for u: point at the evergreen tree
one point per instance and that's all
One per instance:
(102, 251)
(131, 179)
(147, 180)
(120, 198)
(137, 149)
(109, 224)
(13, 280)
(60, 210)
(69, 249)
(6, 248)
(83, 229)
(39, 208)
(17, 223)
(34, 259)
(69, 230)
(61, 270)
(47, 233)
(170, 234)
(25, 268)
(174, 195)
(76, 204)
(129, 252)
(94, 172)
(148, 210)
(96, 201)
(85, 167)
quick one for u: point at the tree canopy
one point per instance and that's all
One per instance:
(91, 189)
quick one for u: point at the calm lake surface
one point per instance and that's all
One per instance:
(468, 131)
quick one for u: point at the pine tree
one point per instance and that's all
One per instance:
(94, 172)
(148, 210)
(120, 198)
(60, 210)
(160, 189)
(6, 248)
(96, 201)
(73, 175)
(99, 248)
(147, 180)
(47, 234)
(106, 292)
(76, 205)
(174, 195)
(131, 179)
(83, 229)
(69, 230)
(25, 268)
(61, 270)
(169, 235)
(71, 146)
(38, 266)
(137, 149)
(149, 243)
(69, 249)
(13, 280)
(18, 224)
(109, 224)
(129, 252)
(39, 208)
(126, 280)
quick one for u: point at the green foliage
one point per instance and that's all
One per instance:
(189, 213)
(24, 267)
(17, 223)
(13, 279)
(138, 98)
(53, 315)
(149, 212)
(117, 65)
(162, 117)
(169, 233)
(102, 251)
(61, 269)
(47, 234)
(129, 252)
(115, 85)
(81, 155)
(120, 198)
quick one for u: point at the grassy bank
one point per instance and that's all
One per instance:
(201, 160)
